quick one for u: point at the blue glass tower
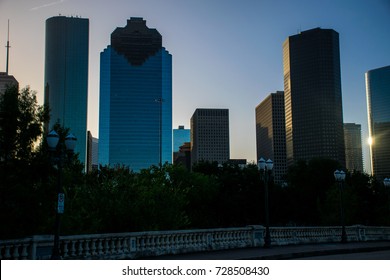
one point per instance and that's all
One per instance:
(135, 121)
(66, 76)
(378, 104)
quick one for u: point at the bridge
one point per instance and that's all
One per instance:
(208, 242)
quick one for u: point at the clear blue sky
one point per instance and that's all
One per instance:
(226, 53)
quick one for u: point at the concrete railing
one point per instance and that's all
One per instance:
(154, 243)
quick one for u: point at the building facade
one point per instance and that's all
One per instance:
(313, 101)
(180, 136)
(271, 133)
(353, 147)
(378, 104)
(7, 81)
(210, 136)
(135, 121)
(66, 76)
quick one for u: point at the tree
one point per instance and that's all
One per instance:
(21, 126)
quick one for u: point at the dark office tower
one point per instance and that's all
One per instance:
(135, 125)
(7, 81)
(378, 103)
(353, 147)
(210, 135)
(313, 103)
(66, 76)
(271, 133)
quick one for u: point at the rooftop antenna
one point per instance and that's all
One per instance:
(7, 46)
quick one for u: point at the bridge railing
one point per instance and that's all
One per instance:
(133, 245)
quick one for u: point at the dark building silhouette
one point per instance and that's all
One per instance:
(353, 147)
(135, 119)
(271, 133)
(7, 81)
(378, 104)
(313, 101)
(210, 135)
(183, 155)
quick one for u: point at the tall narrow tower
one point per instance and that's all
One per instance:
(378, 104)
(313, 102)
(66, 76)
(135, 122)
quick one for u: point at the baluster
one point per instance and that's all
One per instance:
(73, 248)
(119, 249)
(100, 247)
(126, 245)
(112, 245)
(7, 254)
(24, 254)
(80, 248)
(87, 252)
(106, 247)
(140, 243)
(65, 249)
(15, 254)
(93, 247)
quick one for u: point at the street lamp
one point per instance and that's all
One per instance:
(58, 156)
(266, 173)
(160, 101)
(340, 178)
(386, 182)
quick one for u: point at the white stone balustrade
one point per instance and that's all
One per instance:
(154, 243)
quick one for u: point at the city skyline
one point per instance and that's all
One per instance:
(228, 55)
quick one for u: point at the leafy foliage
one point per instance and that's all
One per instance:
(116, 199)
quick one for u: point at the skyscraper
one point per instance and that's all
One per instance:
(135, 122)
(313, 102)
(66, 76)
(271, 133)
(210, 135)
(353, 147)
(378, 104)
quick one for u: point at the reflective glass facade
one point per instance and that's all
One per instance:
(313, 102)
(135, 122)
(66, 76)
(180, 136)
(378, 104)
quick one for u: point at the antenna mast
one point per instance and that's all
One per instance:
(8, 46)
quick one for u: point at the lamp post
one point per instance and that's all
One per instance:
(160, 101)
(266, 173)
(58, 156)
(386, 182)
(340, 178)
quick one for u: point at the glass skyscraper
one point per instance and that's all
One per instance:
(66, 76)
(378, 104)
(313, 102)
(135, 121)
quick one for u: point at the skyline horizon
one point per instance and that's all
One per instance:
(209, 76)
